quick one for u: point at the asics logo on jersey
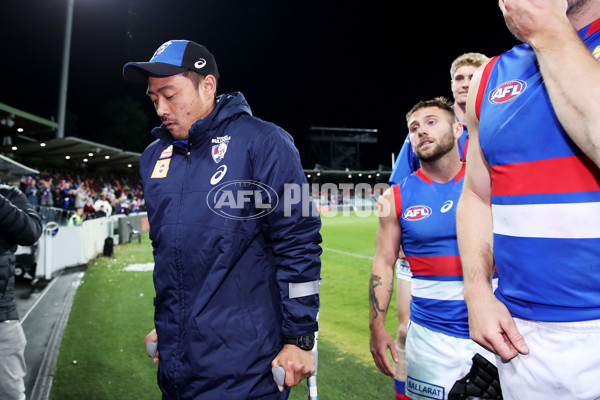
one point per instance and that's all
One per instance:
(216, 178)
(416, 213)
(507, 91)
(447, 206)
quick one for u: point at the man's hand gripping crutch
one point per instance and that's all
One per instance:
(280, 375)
(302, 351)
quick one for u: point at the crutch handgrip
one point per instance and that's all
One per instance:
(151, 347)
(278, 374)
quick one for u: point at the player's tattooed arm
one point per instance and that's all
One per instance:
(377, 307)
(381, 283)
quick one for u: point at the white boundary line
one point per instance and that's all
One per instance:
(43, 382)
(346, 253)
(40, 297)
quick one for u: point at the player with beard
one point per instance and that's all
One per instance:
(461, 72)
(531, 202)
(419, 214)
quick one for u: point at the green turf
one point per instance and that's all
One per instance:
(102, 354)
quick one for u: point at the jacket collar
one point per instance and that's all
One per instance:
(227, 107)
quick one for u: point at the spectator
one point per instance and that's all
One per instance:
(88, 209)
(81, 196)
(100, 213)
(77, 217)
(134, 206)
(46, 197)
(123, 205)
(67, 196)
(102, 202)
(57, 198)
(31, 191)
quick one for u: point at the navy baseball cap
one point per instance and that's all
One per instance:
(171, 58)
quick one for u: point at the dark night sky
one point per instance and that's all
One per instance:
(347, 63)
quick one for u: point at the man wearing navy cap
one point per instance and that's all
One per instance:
(237, 264)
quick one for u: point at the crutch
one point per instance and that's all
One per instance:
(300, 290)
(311, 381)
(278, 371)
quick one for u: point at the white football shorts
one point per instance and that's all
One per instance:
(403, 270)
(435, 361)
(563, 362)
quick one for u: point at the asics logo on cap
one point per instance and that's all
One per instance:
(200, 63)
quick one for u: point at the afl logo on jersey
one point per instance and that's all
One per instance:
(416, 213)
(507, 91)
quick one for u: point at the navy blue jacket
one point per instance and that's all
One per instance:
(227, 242)
(19, 225)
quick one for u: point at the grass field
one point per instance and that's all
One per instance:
(102, 355)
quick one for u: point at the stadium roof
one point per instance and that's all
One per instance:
(25, 137)
(75, 151)
(14, 121)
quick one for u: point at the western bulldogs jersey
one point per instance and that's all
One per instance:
(545, 194)
(427, 214)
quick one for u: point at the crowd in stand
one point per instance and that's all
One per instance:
(94, 197)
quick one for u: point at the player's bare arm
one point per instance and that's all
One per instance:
(381, 284)
(490, 323)
(570, 71)
(375, 283)
(403, 297)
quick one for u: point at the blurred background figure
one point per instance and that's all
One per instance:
(19, 225)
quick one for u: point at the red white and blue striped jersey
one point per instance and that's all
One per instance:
(545, 194)
(426, 211)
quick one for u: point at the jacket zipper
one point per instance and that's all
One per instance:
(180, 275)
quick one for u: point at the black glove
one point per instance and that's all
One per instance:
(481, 381)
